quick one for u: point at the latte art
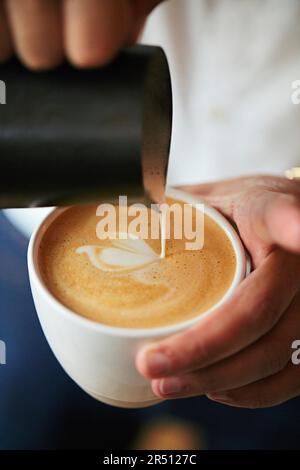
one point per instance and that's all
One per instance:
(125, 282)
(120, 254)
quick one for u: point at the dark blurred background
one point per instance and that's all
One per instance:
(41, 408)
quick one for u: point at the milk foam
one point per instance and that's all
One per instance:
(124, 255)
(133, 283)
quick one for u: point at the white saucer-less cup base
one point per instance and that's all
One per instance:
(100, 358)
(123, 404)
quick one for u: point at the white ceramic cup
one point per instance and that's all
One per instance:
(100, 358)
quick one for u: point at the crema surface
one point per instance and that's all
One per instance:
(125, 283)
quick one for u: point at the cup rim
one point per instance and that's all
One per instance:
(36, 278)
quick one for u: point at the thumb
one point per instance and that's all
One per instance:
(275, 218)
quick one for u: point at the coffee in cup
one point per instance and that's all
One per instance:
(123, 282)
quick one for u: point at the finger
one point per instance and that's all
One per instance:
(6, 48)
(277, 217)
(268, 206)
(37, 31)
(268, 392)
(95, 30)
(254, 309)
(222, 194)
(271, 216)
(262, 214)
(266, 357)
(234, 186)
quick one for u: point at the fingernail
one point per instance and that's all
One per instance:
(218, 397)
(158, 363)
(171, 386)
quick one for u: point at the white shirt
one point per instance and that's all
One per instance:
(232, 65)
